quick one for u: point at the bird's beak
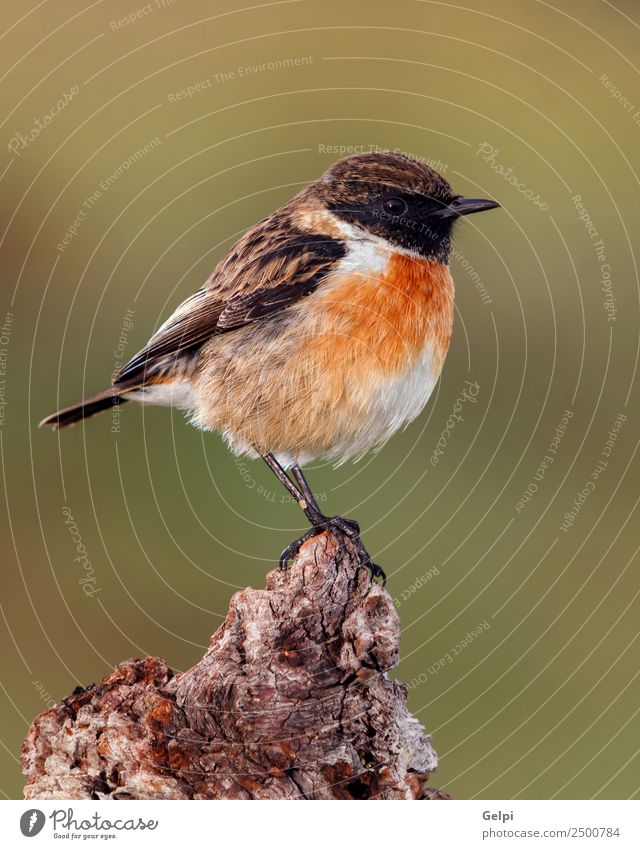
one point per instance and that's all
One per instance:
(465, 206)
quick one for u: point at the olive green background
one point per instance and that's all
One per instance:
(542, 700)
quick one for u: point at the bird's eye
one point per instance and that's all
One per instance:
(394, 206)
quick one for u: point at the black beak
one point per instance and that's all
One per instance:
(465, 206)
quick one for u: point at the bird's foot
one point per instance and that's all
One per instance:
(341, 528)
(294, 547)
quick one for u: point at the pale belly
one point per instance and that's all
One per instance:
(300, 409)
(385, 403)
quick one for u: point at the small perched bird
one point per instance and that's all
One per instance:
(321, 333)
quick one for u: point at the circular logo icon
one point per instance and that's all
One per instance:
(32, 822)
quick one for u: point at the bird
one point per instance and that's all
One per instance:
(321, 333)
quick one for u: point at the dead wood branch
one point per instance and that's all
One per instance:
(292, 700)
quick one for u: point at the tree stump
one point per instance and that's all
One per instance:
(291, 701)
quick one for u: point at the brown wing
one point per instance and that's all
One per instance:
(272, 267)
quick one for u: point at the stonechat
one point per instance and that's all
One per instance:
(322, 331)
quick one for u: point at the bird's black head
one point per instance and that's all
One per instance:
(398, 199)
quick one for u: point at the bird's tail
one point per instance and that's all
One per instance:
(89, 407)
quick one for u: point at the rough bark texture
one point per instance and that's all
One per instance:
(292, 700)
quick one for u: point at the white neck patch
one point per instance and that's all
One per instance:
(366, 251)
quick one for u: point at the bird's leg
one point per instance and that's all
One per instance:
(310, 510)
(305, 489)
(339, 525)
(344, 527)
(310, 498)
(308, 506)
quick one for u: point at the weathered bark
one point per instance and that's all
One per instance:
(292, 700)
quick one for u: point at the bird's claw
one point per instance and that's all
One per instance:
(341, 527)
(376, 572)
(294, 547)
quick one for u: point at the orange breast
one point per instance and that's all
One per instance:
(359, 362)
(394, 314)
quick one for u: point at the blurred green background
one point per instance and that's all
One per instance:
(519, 633)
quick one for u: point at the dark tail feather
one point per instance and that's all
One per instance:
(88, 407)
